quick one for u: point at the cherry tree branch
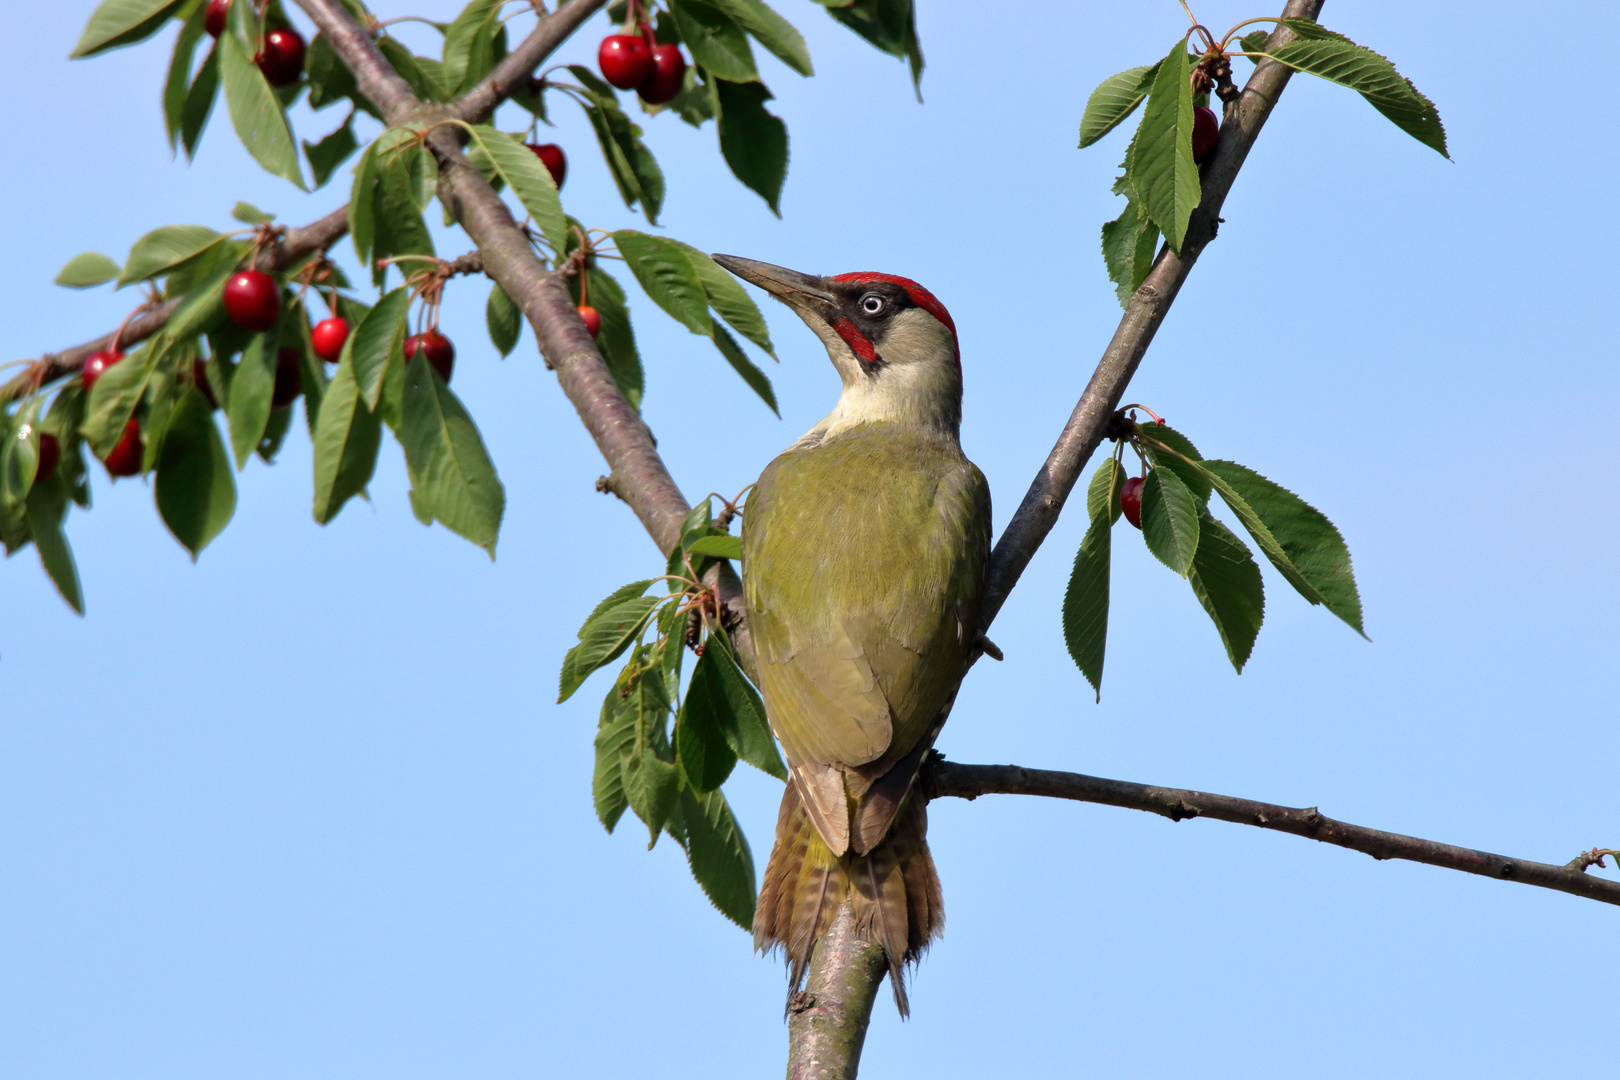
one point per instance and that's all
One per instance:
(947, 778)
(476, 105)
(1244, 116)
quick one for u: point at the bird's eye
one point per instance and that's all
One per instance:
(871, 303)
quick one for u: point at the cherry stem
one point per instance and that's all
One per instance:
(1157, 418)
(1246, 22)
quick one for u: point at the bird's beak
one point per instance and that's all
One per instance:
(798, 291)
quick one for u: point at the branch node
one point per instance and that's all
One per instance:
(801, 1001)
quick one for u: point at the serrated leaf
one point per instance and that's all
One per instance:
(1104, 490)
(256, 113)
(736, 702)
(1262, 536)
(252, 387)
(1085, 603)
(635, 171)
(19, 456)
(719, 856)
(717, 43)
(424, 75)
(116, 23)
(165, 248)
(705, 757)
(47, 505)
(771, 30)
(1162, 169)
(753, 141)
(667, 277)
(325, 156)
(729, 299)
(1227, 582)
(1255, 41)
(1169, 519)
(464, 36)
(504, 319)
(1179, 455)
(346, 439)
(451, 472)
(529, 180)
(890, 25)
(716, 547)
(199, 102)
(194, 489)
(1115, 98)
(177, 82)
(397, 227)
(362, 212)
(1129, 243)
(1309, 542)
(755, 378)
(377, 342)
(116, 393)
(617, 341)
(607, 633)
(87, 270)
(1334, 57)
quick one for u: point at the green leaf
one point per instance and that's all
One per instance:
(423, 75)
(667, 276)
(1314, 557)
(199, 102)
(1115, 98)
(1106, 484)
(735, 701)
(116, 393)
(1227, 582)
(252, 387)
(1169, 449)
(617, 341)
(177, 82)
(1255, 41)
(165, 248)
(890, 25)
(717, 43)
(122, 22)
(634, 170)
(1129, 244)
(752, 140)
(19, 456)
(1162, 169)
(47, 505)
(397, 225)
(530, 182)
(248, 214)
(1085, 603)
(333, 150)
(256, 113)
(1334, 57)
(362, 211)
(330, 79)
(347, 436)
(719, 855)
(470, 30)
(729, 299)
(755, 378)
(701, 749)
(609, 630)
(86, 271)
(771, 30)
(504, 319)
(716, 547)
(377, 342)
(451, 473)
(634, 765)
(1169, 519)
(195, 492)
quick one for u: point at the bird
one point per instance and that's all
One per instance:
(865, 551)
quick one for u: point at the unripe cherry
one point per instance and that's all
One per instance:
(125, 458)
(288, 383)
(50, 452)
(552, 157)
(328, 338)
(214, 17)
(625, 60)
(96, 363)
(282, 58)
(1206, 130)
(668, 75)
(199, 377)
(253, 300)
(591, 318)
(1130, 500)
(436, 347)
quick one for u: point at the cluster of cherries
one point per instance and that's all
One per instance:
(281, 57)
(637, 62)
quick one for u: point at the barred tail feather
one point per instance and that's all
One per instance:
(893, 892)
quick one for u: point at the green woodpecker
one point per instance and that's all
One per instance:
(865, 550)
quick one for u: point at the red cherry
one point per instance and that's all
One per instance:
(437, 348)
(669, 74)
(552, 157)
(125, 459)
(625, 60)
(50, 452)
(328, 338)
(1206, 129)
(214, 17)
(253, 300)
(199, 376)
(282, 58)
(592, 319)
(96, 363)
(1130, 500)
(288, 382)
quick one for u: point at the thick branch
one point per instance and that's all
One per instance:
(827, 1019)
(298, 245)
(377, 79)
(944, 778)
(1144, 313)
(476, 105)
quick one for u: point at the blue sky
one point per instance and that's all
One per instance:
(306, 808)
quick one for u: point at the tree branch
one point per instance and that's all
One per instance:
(827, 1019)
(298, 245)
(945, 778)
(477, 104)
(1244, 117)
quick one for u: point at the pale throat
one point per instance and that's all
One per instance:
(919, 385)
